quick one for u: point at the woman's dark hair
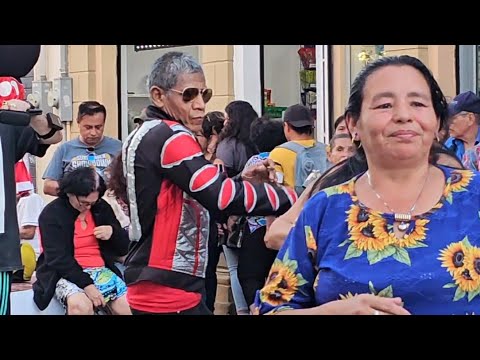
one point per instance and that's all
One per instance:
(82, 182)
(116, 181)
(267, 134)
(338, 121)
(241, 115)
(212, 121)
(357, 164)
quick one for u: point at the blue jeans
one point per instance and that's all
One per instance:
(231, 256)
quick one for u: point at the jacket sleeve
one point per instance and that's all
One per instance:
(55, 239)
(27, 142)
(117, 245)
(182, 162)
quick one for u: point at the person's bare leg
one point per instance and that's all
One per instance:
(79, 304)
(120, 306)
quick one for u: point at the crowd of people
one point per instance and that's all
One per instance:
(381, 220)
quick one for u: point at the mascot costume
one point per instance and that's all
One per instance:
(23, 129)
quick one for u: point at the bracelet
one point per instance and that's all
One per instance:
(47, 135)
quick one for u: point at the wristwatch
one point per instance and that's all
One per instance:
(54, 123)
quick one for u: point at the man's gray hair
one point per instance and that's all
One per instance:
(167, 69)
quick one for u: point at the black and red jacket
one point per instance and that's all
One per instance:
(173, 190)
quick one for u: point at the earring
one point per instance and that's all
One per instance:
(354, 138)
(438, 138)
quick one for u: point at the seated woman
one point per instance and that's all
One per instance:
(81, 238)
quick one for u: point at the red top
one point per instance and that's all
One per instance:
(87, 249)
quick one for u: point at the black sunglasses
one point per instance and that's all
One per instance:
(190, 93)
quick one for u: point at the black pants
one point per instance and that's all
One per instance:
(254, 263)
(5, 289)
(200, 309)
(214, 251)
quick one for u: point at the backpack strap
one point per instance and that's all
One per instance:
(293, 146)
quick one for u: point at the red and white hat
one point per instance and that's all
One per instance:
(22, 177)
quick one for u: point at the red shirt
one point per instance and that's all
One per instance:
(87, 249)
(158, 299)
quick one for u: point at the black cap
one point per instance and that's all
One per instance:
(466, 101)
(17, 60)
(298, 116)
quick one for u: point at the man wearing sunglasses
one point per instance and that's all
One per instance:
(173, 190)
(91, 148)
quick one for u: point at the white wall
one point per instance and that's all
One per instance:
(139, 65)
(246, 75)
(282, 73)
(52, 71)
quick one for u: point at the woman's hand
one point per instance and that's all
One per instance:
(94, 295)
(364, 304)
(103, 232)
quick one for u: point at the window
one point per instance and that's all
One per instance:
(281, 78)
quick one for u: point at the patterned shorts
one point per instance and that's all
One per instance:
(107, 282)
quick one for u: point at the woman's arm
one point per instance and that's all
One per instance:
(118, 243)
(56, 241)
(279, 229)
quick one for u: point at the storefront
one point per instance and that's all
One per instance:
(270, 77)
(273, 77)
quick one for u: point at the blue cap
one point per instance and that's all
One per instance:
(466, 101)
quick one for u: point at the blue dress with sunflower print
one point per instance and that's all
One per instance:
(339, 248)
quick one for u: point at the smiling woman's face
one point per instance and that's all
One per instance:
(397, 119)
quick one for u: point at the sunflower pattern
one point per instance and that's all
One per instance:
(282, 282)
(345, 188)
(462, 262)
(338, 245)
(311, 245)
(371, 233)
(457, 182)
(387, 292)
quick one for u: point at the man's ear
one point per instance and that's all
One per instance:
(471, 119)
(158, 96)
